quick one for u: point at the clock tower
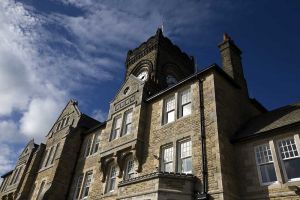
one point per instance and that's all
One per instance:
(159, 63)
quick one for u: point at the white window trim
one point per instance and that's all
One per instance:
(162, 157)
(179, 159)
(181, 105)
(178, 106)
(124, 123)
(297, 143)
(274, 158)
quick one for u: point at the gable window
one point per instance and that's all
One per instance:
(127, 122)
(265, 164)
(185, 106)
(289, 154)
(96, 143)
(78, 186)
(170, 110)
(185, 157)
(111, 179)
(87, 184)
(167, 159)
(129, 172)
(116, 128)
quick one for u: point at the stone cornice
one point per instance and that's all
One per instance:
(154, 175)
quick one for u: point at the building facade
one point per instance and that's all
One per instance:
(172, 133)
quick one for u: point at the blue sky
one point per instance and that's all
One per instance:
(55, 50)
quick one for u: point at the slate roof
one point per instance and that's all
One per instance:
(272, 120)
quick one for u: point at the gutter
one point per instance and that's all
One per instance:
(203, 195)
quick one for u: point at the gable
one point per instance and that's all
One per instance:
(130, 93)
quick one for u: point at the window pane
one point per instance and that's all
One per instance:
(292, 167)
(185, 97)
(185, 161)
(185, 149)
(111, 179)
(263, 154)
(268, 173)
(129, 169)
(170, 116)
(168, 154)
(168, 167)
(288, 149)
(186, 165)
(186, 109)
(170, 104)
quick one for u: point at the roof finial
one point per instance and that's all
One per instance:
(226, 37)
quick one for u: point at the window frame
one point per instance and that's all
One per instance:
(88, 146)
(297, 144)
(163, 163)
(96, 142)
(108, 188)
(179, 158)
(182, 105)
(269, 143)
(77, 191)
(166, 111)
(125, 123)
(128, 173)
(84, 184)
(113, 135)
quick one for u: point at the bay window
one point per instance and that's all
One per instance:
(185, 157)
(167, 159)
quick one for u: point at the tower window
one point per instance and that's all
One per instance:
(265, 164)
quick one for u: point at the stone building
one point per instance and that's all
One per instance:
(172, 133)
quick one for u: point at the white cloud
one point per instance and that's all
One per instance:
(44, 57)
(7, 158)
(38, 119)
(99, 115)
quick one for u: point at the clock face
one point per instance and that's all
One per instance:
(143, 76)
(171, 80)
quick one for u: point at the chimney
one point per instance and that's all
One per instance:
(232, 62)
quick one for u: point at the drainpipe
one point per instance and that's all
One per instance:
(203, 194)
